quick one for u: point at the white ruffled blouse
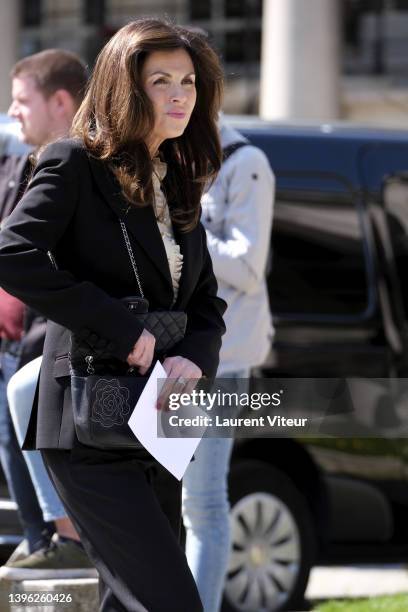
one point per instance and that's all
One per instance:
(174, 257)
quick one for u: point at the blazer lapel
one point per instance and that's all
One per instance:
(140, 221)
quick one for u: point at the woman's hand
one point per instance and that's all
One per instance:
(183, 376)
(143, 351)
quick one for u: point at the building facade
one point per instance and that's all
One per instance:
(371, 60)
(83, 26)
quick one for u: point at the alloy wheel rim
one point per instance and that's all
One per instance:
(265, 554)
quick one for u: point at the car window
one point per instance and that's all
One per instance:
(320, 265)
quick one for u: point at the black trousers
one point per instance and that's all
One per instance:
(126, 509)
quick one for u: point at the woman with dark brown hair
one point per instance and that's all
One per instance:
(144, 144)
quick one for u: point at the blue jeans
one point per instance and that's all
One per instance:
(20, 392)
(14, 467)
(206, 509)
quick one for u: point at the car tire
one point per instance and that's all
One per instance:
(273, 541)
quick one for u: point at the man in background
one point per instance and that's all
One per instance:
(47, 89)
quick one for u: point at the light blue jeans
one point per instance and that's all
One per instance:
(206, 508)
(15, 469)
(20, 393)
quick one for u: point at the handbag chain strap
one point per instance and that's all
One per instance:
(131, 256)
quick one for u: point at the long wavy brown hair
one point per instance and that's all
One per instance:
(116, 116)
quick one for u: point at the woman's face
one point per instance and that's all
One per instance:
(168, 79)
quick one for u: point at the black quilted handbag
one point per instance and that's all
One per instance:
(104, 389)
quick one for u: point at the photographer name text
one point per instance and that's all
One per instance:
(217, 421)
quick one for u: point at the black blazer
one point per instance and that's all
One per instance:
(71, 208)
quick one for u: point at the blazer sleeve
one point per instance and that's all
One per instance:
(33, 229)
(205, 327)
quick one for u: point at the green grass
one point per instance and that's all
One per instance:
(397, 603)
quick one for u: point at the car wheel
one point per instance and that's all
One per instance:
(272, 541)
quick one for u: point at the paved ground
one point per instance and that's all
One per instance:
(357, 581)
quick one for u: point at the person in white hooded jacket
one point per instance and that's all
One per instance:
(237, 216)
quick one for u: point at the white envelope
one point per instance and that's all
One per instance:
(173, 453)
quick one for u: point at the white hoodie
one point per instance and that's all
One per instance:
(237, 216)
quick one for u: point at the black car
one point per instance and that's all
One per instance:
(339, 297)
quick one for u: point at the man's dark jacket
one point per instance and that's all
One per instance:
(14, 174)
(72, 209)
